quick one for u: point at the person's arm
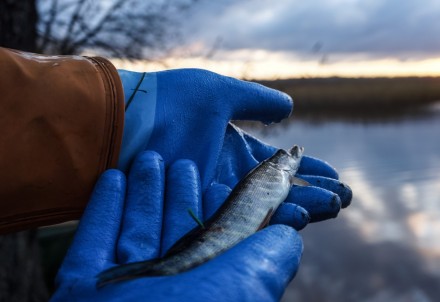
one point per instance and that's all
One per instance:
(61, 124)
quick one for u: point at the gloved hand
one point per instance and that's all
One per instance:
(185, 114)
(241, 152)
(141, 219)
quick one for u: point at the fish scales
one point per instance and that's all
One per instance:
(245, 211)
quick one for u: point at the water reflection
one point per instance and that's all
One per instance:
(386, 245)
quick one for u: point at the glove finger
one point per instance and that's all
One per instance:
(213, 198)
(321, 204)
(344, 191)
(252, 101)
(314, 166)
(183, 193)
(140, 236)
(94, 244)
(292, 215)
(309, 165)
(262, 265)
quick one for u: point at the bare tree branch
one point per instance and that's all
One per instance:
(127, 28)
(64, 47)
(48, 24)
(97, 29)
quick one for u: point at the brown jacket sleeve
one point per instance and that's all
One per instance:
(61, 123)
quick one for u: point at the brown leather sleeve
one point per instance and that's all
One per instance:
(61, 124)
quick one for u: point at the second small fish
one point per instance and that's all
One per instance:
(247, 209)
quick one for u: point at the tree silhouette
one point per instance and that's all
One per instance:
(120, 28)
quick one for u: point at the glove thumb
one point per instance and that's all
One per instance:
(252, 101)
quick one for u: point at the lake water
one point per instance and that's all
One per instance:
(386, 245)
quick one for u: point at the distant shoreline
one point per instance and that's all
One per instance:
(359, 98)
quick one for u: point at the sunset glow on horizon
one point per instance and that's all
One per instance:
(263, 65)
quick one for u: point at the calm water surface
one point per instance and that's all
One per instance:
(386, 245)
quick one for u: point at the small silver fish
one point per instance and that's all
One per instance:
(247, 209)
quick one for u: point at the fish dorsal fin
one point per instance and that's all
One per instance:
(189, 237)
(299, 182)
(266, 219)
(196, 219)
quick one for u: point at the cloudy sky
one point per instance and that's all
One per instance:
(397, 28)
(265, 38)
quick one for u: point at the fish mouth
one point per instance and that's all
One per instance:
(296, 151)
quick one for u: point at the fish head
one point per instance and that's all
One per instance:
(288, 160)
(296, 151)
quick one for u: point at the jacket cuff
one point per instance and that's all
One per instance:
(61, 126)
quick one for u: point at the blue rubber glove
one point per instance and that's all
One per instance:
(141, 219)
(185, 114)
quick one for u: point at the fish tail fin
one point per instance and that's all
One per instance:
(129, 271)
